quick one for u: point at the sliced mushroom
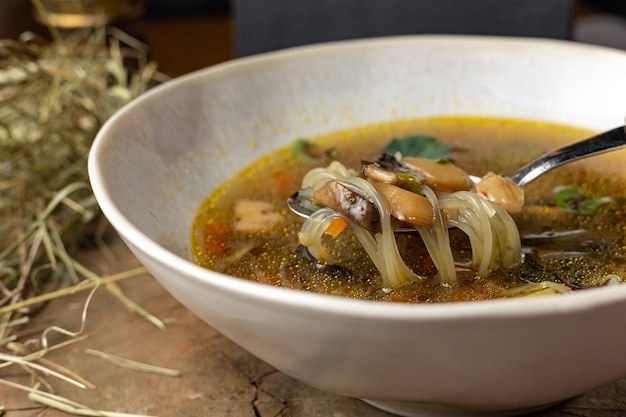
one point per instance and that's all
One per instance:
(407, 206)
(440, 175)
(377, 173)
(392, 173)
(348, 203)
(501, 190)
(252, 215)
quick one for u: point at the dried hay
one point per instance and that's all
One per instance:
(54, 97)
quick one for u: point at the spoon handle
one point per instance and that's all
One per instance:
(604, 142)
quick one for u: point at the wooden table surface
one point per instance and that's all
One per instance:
(217, 378)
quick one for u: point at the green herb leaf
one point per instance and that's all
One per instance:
(612, 280)
(570, 199)
(419, 146)
(410, 183)
(303, 150)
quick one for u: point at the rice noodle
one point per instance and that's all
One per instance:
(317, 176)
(381, 247)
(437, 243)
(492, 232)
(313, 231)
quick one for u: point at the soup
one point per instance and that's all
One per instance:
(570, 226)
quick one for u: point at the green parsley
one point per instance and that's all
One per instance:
(303, 150)
(570, 199)
(419, 146)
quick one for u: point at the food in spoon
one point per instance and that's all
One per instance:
(426, 195)
(469, 241)
(502, 191)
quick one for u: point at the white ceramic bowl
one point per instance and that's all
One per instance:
(157, 159)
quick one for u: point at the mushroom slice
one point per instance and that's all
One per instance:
(394, 174)
(502, 191)
(407, 206)
(349, 203)
(370, 170)
(440, 175)
(252, 215)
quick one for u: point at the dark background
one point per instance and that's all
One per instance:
(186, 35)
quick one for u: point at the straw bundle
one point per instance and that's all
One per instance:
(54, 97)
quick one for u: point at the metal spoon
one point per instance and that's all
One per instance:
(604, 142)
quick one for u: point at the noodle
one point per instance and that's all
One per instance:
(493, 235)
(381, 247)
(334, 170)
(437, 243)
(492, 232)
(313, 231)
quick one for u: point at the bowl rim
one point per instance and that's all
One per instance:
(578, 301)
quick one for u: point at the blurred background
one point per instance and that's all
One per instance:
(186, 35)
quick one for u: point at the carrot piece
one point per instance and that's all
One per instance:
(337, 225)
(215, 235)
(283, 183)
(267, 278)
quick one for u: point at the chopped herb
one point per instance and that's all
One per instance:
(304, 150)
(566, 283)
(419, 146)
(571, 200)
(409, 182)
(612, 280)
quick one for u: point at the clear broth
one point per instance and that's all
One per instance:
(480, 145)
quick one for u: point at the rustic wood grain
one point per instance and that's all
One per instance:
(218, 378)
